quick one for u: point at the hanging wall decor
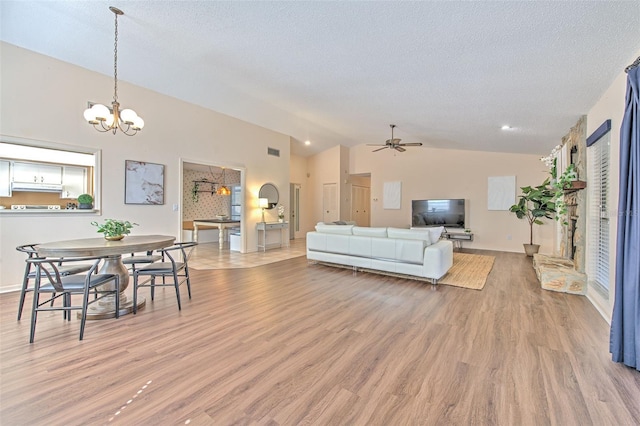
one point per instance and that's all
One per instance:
(143, 183)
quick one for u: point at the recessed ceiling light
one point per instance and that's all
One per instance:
(307, 142)
(506, 127)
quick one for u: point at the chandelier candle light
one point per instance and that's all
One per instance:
(104, 118)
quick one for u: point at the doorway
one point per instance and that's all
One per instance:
(294, 211)
(330, 210)
(361, 198)
(202, 197)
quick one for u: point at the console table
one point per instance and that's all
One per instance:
(458, 238)
(264, 227)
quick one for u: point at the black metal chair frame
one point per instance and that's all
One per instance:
(179, 271)
(59, 285)
(134, 259)
(31, 251)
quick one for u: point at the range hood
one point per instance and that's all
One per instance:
(36, 187)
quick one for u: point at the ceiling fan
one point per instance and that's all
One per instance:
(394, 143)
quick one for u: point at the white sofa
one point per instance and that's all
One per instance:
(395, 251)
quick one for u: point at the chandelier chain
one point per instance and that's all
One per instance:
(111, 119)
(115, 62)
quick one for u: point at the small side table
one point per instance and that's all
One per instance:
(458, 238)
(263, 227)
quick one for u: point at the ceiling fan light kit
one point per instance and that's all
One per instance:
(394, 143)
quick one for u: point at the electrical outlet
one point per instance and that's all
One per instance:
(175, 207)
(509, 237)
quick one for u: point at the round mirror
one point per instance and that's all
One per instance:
(270, 192)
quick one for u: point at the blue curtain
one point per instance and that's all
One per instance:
(624, 342)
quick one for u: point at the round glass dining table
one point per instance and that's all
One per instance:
(112, 264)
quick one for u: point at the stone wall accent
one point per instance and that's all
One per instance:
(577, 210)
(558, 274)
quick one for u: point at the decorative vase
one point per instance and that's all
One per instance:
(531, 249)
(281, 219)
(113, 237)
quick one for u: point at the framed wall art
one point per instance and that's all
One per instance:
(143, 183)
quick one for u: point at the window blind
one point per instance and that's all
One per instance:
(598, 174)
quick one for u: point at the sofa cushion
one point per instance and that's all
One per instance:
(435, 233)
(338, 243)
(360, 246)
(410, 234)
(410, 250)
(334, 229)
(366, 231)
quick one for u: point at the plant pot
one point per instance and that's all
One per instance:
(85, 206)
(281, 220)
(531, 249)
(113, 238)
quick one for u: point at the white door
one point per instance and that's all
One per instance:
(5, 179)
(360, 196)
(74, 181)
(330, 211)
(37, 173)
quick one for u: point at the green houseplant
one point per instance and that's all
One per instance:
(563, 182)
(85, 201)
(535, 203)
(114, 229)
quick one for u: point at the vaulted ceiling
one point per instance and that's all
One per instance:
(449, 74)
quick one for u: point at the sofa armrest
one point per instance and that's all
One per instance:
(438, 259)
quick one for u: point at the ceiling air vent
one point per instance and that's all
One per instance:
(273, 151)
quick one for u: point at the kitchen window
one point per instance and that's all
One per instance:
(40, 175)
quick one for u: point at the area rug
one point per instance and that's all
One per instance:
(468, 271)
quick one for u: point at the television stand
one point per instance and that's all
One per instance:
(458, 238)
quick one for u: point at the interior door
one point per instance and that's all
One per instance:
(360, 196)
(330, 211)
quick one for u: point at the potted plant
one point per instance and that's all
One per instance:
(114, 229)
(85, 201)
(564, 181)
(535, 204)
(280, 213)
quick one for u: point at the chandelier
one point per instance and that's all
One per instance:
(223, 190)
(106, 119)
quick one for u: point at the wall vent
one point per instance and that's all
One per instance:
(273, 151)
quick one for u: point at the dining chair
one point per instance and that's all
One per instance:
(30, 274)
(135, 259)
(48, 279)
(178, 271)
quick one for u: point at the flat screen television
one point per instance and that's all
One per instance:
(448, 213)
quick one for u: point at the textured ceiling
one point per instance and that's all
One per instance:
(448, 74)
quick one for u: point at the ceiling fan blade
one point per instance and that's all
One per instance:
(380, 149)
(376, 144)
(411, 144)
(399, 148)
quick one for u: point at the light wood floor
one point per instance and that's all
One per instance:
(291, 343)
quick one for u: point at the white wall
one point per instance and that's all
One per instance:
(437, 173)
(43, 99)
(323, 168)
